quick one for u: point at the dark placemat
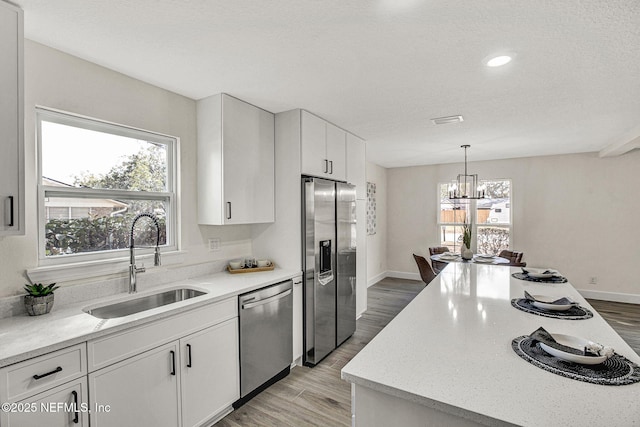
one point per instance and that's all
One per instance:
(574, 313)
(617, 370)
(553, 279)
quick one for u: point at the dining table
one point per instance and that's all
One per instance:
(477, 258)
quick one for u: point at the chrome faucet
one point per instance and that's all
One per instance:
(133, 270)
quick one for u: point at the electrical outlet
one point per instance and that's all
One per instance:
(214, 245)
(593, 280)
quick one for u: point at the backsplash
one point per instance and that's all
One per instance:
(14, 305)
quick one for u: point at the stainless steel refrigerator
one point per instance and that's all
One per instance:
(329, 266)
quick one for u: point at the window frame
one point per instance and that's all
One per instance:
(170, 196)
(473, 209)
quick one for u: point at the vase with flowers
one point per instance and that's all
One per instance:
(465, 250)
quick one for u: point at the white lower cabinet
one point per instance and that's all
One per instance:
(141, 391)
(62, 406)
(47, 390)
(210, 372)
(185, 383)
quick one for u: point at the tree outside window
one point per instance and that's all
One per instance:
(95, 178)
(491, 218)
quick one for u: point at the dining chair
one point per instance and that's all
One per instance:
(426, 272)
(515, 258)
(438, 265)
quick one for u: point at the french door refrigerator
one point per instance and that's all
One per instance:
(329, 266)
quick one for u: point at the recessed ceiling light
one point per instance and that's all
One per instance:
(498, 61)
(447, 119)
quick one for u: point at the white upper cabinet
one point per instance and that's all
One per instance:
(336, 152)
(314, 145)
(236, 164)
(323, 151)
(357, 165)
(11, 121)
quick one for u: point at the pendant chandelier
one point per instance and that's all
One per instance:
(466, 187)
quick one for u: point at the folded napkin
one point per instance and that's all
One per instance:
(592, 349)
(554, 272)
(449, 255)
(561, 301)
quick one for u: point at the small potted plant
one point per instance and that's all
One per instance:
(39, 298)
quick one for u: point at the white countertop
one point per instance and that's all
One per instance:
(24, 337)
(450, 349)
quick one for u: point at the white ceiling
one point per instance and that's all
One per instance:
(383, 68)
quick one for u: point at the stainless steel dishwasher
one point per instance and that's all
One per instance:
(266, 338)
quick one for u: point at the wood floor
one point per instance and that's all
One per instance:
(318, 397)
(624, 318)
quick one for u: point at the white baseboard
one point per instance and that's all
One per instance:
(404, 275)
(359, 315)
(610, 296)
(375, 279)
(395, 274)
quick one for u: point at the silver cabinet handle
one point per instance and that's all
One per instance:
(228, 210)
(331, 166)
(266, 300)
(9, 211)
(326, 166)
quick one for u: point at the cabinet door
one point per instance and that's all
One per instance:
(210, 372)
(313, 146)
(357, 165)
(297, 320)
(11, 121)
(62, 406)
(336, 152)
(141, 391)
(248, 162)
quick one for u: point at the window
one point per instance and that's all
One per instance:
(491, 218)
(94, 178)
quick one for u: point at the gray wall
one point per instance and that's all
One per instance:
(58, 80)
(377, 243)
(576, 213)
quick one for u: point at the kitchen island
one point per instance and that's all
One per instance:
(446, 359)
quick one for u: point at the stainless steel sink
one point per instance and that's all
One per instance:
(136, 305)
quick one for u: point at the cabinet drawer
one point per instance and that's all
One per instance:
(108, 350)
(33, 376)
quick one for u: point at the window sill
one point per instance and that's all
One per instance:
(91, 269)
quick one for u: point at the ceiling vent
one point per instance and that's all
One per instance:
(446, 120)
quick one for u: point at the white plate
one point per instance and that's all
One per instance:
(575, 342)
(451, 256)
(486, 256)
(545, 302)
(483, 260)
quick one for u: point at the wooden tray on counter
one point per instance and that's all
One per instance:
(250, 270)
